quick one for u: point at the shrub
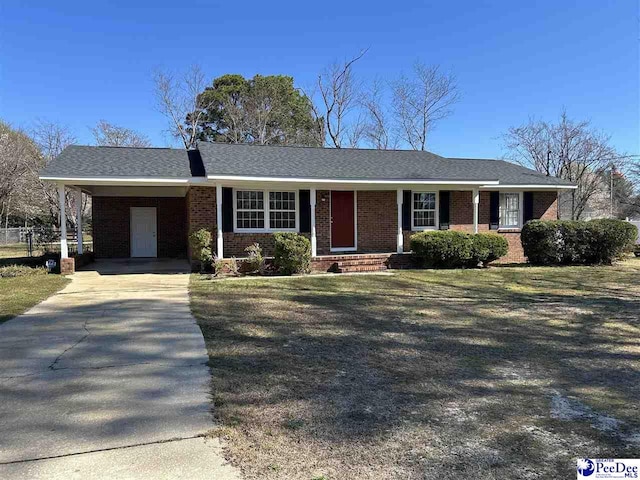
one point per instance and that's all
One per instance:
(234, 268)
(442, 249)
(255, 259)
(487, 248)
(610, 239)
(576, 242)
(292, 253)
(201, 248)
(13, 271)
(540, 242)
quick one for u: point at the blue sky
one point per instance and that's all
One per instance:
(78, 62)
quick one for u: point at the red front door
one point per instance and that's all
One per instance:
(343, 224)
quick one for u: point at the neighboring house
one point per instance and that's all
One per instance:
(147, 200)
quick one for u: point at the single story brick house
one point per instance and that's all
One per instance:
(347, 201)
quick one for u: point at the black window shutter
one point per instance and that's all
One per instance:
(406, 209)
(227, 209)
(305, 211)
(444, 210)
(528, 206)
(494, 211)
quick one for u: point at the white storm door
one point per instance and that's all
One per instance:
(144, 241)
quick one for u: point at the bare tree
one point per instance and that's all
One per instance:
(51, 138)
(571, 150)
(421, 101)
(108, 135)
(379, 129)
(339, 93)
(18, 158)
(180, 101)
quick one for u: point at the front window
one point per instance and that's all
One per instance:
(282, 210)
(264, 210)
(509, 210)
(249, 209)
(424, 209)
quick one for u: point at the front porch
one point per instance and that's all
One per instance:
(350, 227)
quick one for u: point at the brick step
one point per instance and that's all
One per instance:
(360, 256)
(362, 261)
(362, 268)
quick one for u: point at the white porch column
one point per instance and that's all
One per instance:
(219, 243)
(400, 238)
(64, 249)
(476, 204)
(314, 242)
(78, 195)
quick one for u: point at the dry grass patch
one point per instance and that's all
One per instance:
(18, 294)
(500, 373)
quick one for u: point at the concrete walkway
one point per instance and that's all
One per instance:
(108, 379)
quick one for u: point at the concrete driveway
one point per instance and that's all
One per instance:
(108, 379)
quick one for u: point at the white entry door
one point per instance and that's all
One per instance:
(144, 232)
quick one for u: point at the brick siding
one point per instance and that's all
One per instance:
(545, 206)
(111, 225)
(323, 222)
(376, 217)
(377, 221)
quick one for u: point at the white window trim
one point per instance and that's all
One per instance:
(520, 211)
(415, 228)
(267, 219)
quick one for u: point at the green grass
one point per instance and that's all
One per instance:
(21, 293)
(13, 251)
(498, 373)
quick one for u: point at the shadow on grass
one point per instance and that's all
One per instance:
(422, 365)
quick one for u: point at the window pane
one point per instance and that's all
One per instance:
(250, 209)
(282, 201)
(424, 218)
(282, 210)
(424, 201)
(509, 209)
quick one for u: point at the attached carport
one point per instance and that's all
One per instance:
(138, 199)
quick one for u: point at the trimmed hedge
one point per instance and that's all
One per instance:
(292, 253)
(452, 249)
(487, 248)
(564, 242)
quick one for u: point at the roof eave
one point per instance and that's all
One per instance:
(350, 181)
(132, 181)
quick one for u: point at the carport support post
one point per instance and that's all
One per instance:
(64, 250)
(476, 203)
(78, 194)
(219, 243)
(399, 239)
(314, 242)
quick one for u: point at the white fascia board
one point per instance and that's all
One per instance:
(350, 181)
(133, 181)
(527, 187)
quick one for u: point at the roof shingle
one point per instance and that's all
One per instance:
(222, 159)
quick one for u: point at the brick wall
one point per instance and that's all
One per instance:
(545, 206)
(201, 213)
(377, 221)
(377, 217)
(323, 222)
(111, 228)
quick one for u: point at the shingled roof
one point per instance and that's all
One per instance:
(229, 160)
(223, 159)
(112, 162)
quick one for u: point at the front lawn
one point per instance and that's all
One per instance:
(501, 373)
(21, 293)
